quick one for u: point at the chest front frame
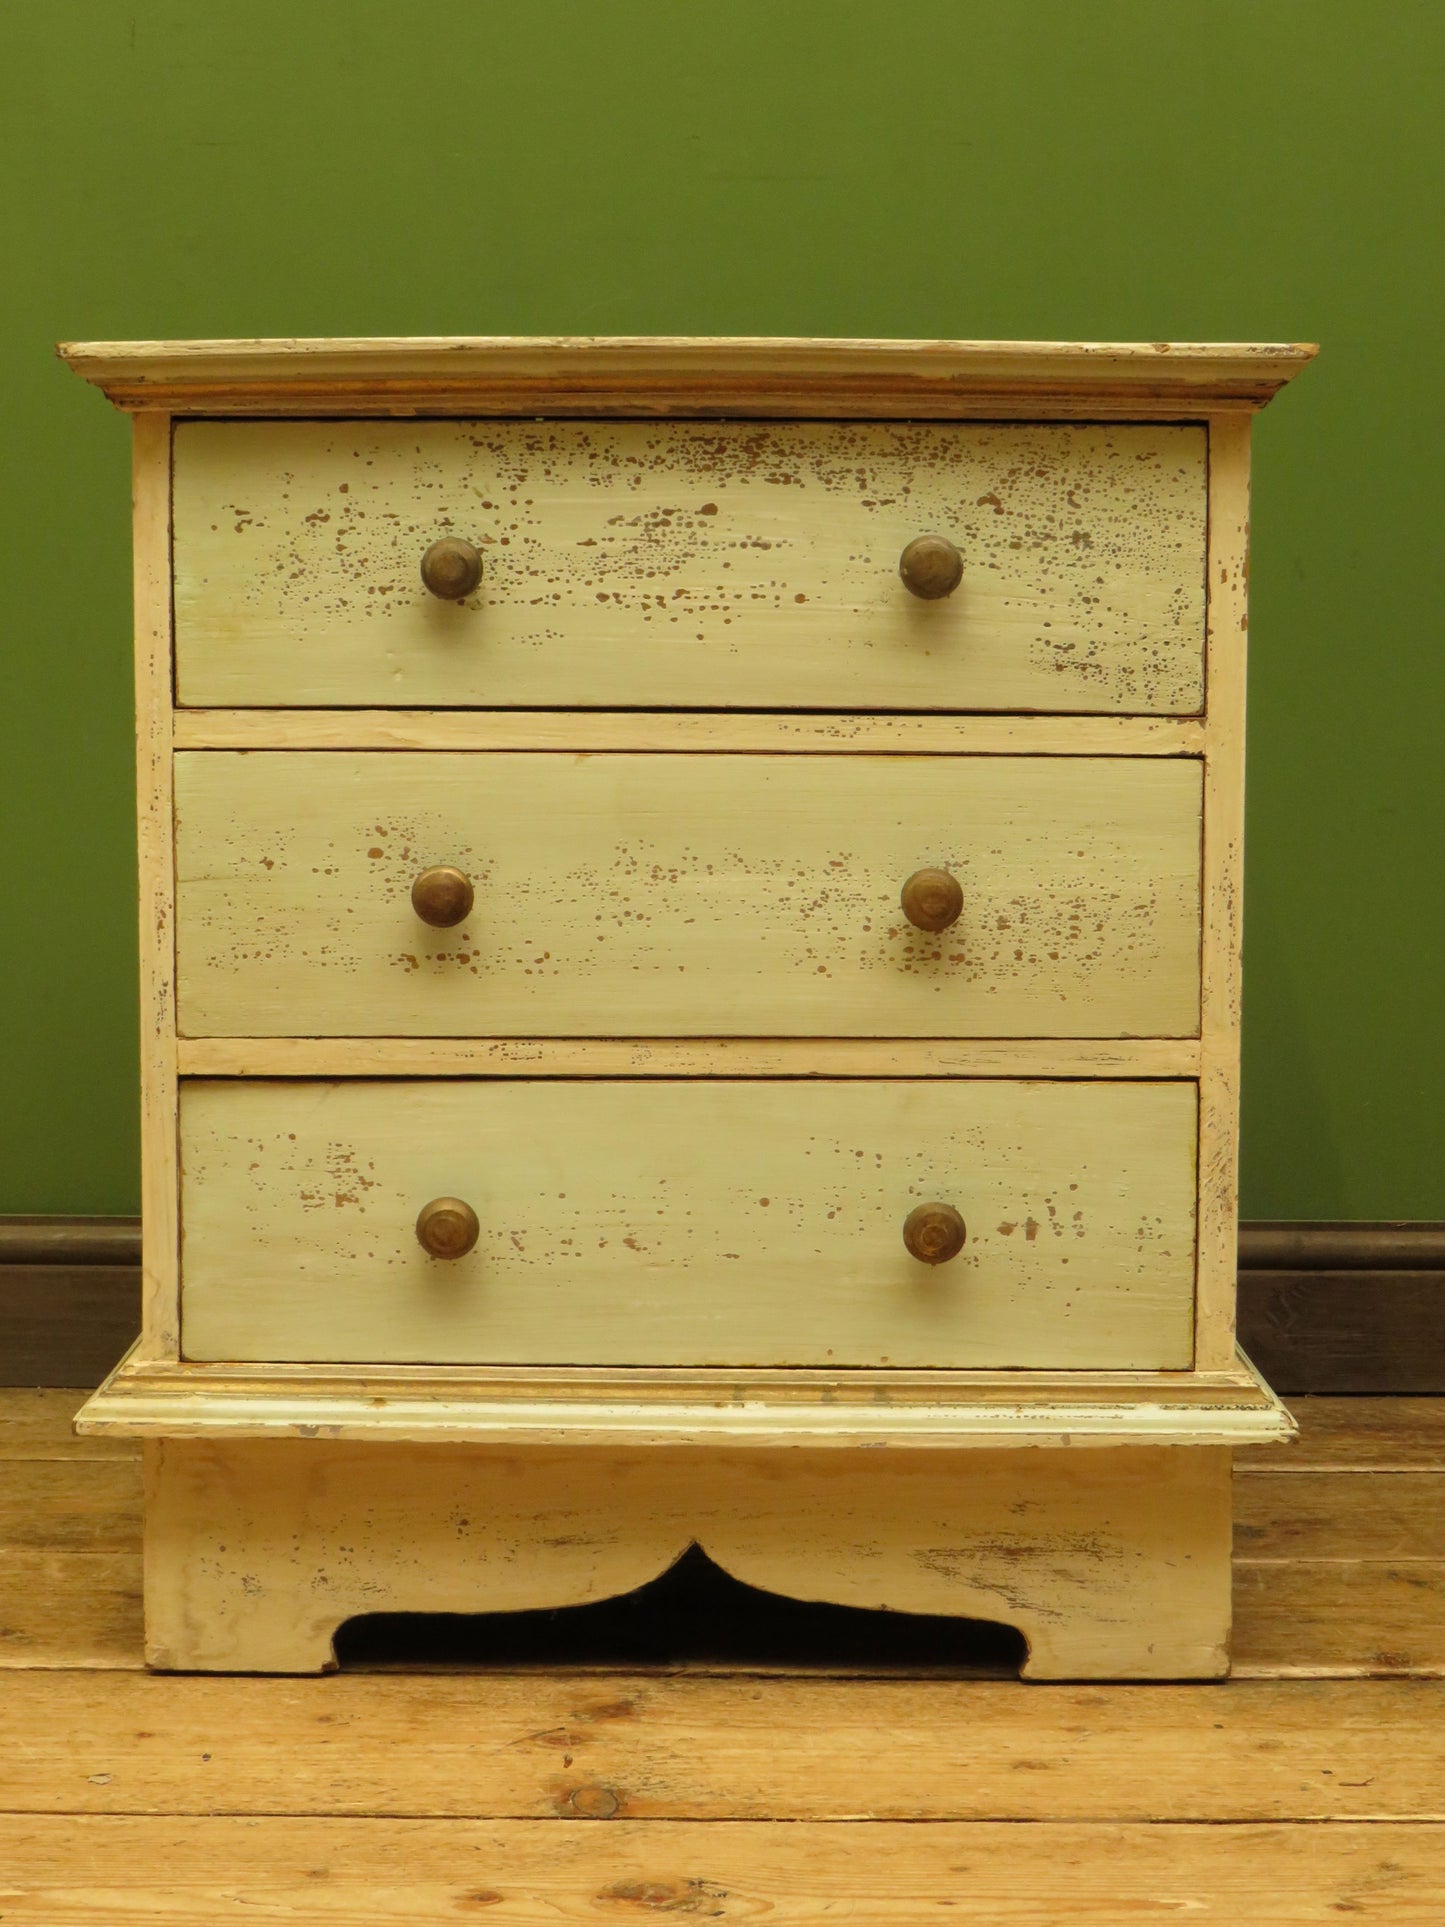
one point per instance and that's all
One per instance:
(1213, 1057)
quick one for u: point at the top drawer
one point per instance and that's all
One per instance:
(691, 565)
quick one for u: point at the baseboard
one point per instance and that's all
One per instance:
(1344, 1308)
(69, 1298)
(1331, 1308)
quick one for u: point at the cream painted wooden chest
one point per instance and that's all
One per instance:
(691, 938)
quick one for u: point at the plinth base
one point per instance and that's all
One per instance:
(1113, 1562)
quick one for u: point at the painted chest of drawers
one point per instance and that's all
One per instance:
(691, 940)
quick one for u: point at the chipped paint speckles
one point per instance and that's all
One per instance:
(691, 562)
(667, 895)
(678, 1222)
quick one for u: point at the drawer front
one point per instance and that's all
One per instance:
(690, 1223)
(703, 895)
(691, 564)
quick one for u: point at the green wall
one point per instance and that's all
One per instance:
(1119, 169)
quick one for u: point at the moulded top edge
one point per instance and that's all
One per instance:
(651, 374)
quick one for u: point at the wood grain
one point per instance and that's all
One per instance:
(658, 375)
(66, 1324)
(160, 1246)
(1335, 1435)
(700, 732)
(682, 1223)
(256, 1552)
(1396, 1518)
(35, 1423)
(1331, 1619)
(801, 1057)
(1222, 928)
(1336, 1618)
(1338, 1572)
(70, 1558)
(690, 565)
(70, 1608)
(656, 1747)
(756, 1407)
(1346, 1331)
(624, 895)
(1356, 1435)
(53, 1505)
(195, 1872)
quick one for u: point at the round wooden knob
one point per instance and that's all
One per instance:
(452, 568)
(443, 896)
(931, 567)
(447, 1228)
(934, 1233)
(932, 899)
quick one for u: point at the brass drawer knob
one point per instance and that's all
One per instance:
(443, 896)
(932, 899)
(934, 1233)
(447, 1228)
(452, 568)
(931, 567)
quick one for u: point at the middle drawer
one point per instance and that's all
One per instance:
(620, 894)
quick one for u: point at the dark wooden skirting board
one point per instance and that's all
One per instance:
(1335, 1308)
(1320, 1245)
(1329, 1308)
(1380, 1332)
(69, 1298)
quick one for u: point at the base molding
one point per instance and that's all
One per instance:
(1113, 1562)
(583, 1408)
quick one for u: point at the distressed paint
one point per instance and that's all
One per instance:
(1222, 921)
(718, 731)
(156, 882)
(660, 1222)
(738, 906)
(689, 375)
(256, 1552)
(838, 1409)
(685, 1057)
(666, 895)
(691, 564)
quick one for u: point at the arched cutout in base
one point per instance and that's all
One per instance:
(693, 1614)
(1112, 1563)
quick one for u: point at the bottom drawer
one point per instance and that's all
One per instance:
(706, 1222)
(690, 1222)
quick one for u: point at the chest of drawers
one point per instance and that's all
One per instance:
(690, 960)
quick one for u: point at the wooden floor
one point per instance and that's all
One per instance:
(1310, 1788)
